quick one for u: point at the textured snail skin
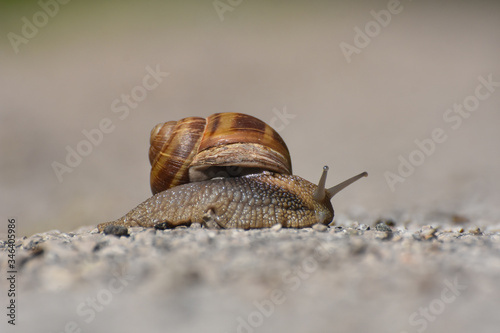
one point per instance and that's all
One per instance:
(247, 202)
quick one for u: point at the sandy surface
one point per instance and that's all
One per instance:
(263, 60)
(350, 278)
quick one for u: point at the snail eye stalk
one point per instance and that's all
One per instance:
(320, 192)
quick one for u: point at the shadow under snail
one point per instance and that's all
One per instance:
(230, 170)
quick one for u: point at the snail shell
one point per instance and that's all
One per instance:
(223, 144)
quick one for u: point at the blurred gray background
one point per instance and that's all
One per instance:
(260, 58)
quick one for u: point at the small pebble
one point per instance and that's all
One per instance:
(338, 228)
(475, 231)
(383, 235)
(276, 227)
(428, 233)
(319, 227)
(351, 231)
(383, 227)
(116, 230)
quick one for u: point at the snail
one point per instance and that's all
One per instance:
(230, 170)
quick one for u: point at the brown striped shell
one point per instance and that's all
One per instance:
(222, 145)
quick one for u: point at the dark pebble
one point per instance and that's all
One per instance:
(387, 222)
(116, 230)
(381, 226)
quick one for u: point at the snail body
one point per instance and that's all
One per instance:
(254, 198)
(247, 202)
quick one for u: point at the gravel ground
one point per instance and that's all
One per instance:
(352, 277)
